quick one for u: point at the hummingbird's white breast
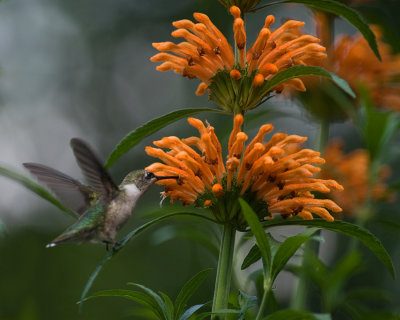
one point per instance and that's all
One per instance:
(131, 191)
(120, 210)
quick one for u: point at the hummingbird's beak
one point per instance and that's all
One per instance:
(166, 177)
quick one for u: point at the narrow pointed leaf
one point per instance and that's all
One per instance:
(346, 228)
(187, 291)
(169, 305)
(124, 241)
(136, 296)
(302, 71)
(246, 302)
(258, 232)
(161, 306)
(36, 188)
(189, 312)
(346, 266)
(135, 136)
(341, 10)
(252, 257)
(378, 127)
(287, 249)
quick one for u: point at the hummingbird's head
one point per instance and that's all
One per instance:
(143, 179)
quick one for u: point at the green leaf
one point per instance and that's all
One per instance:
(295, 315)
(313, 267)
(189, 312)
(136, 296)
(135, 136)
(252, 257)
(245, 303)
(378, 127)
(341, 10)
(36, 188)
(124, 241)
(169, 305)
(258, 232)
(287, 249)
(161, 306)
(301, 71)
(187, 291)
(346, 228)
(344, 269)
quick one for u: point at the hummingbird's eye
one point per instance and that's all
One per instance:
(149, 175)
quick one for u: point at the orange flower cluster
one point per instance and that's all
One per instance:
(274, 173)
(354, 61)
(206, 52)
(352, 171)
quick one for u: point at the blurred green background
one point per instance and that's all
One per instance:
(82, 69)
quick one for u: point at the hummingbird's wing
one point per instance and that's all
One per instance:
(75, 195)
(93, 169)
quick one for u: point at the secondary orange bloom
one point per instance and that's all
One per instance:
(207, 55)
(353, 60)
(352, 171)
(273, 177)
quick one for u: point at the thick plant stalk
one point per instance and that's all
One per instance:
(224, 271)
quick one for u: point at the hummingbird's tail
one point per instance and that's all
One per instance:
(64, 237)
(57, 241)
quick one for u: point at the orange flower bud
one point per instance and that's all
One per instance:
(235, 74)
(201, 89)
(235, 11)
(258, 80)
(218, 190)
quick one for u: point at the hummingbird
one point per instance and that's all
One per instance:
(102, 206)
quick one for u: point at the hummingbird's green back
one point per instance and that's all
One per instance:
(87, 225)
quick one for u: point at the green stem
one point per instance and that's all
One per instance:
(267, 288)
(224, 270)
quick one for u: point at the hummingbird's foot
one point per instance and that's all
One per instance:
(116, 245)
(107, 244)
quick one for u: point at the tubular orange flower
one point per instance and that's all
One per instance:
(351, 58)
(273, 177)
(355, 62)
(352, 171)
(207, 55)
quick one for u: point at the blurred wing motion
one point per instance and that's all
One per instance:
(93, 169)
(72, 193)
